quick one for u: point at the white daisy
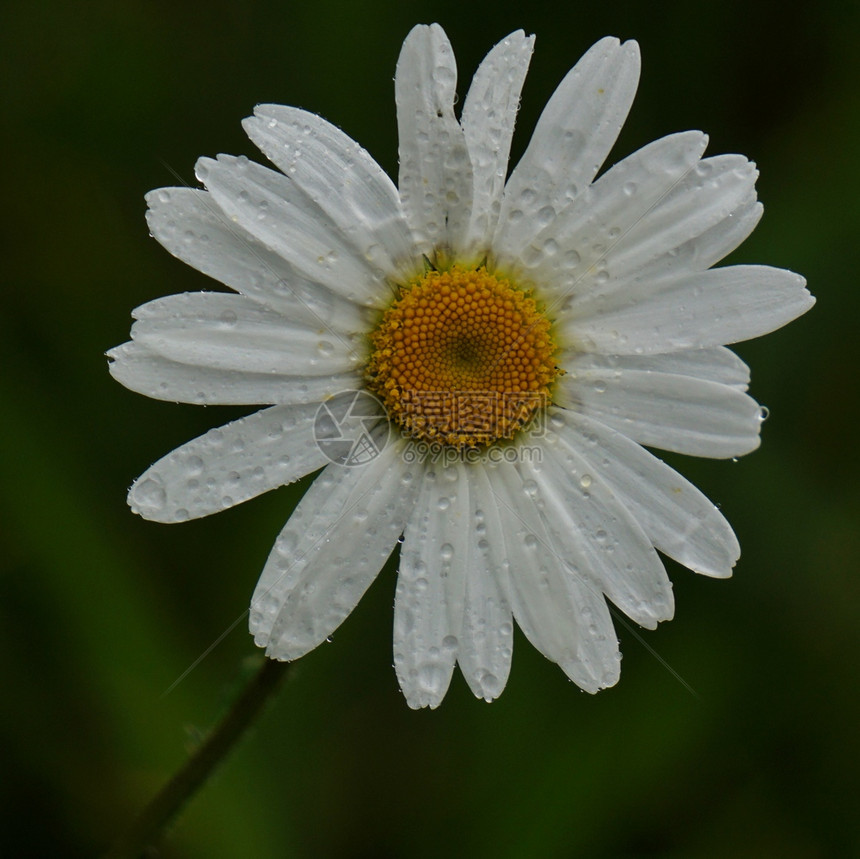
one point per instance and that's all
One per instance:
(525, 337)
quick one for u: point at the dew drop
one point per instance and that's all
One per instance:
(585, 481)
(195, 465)
(150, 496)
(545, 216)
(447, 551)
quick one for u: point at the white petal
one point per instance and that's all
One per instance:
(573, 136)
(715, 365)
(708, 195)
(341, 178)
(229, 465)
(141, 370)
(563, 615)
(568, 252)
(332, 548)
(597, 538)
(428, 607)
(189, 224)
(677, 517)
(722, 305)
(435, 173)
(665, 410)
(488, 124)
(486, 643)
(274, 210)
(232, 332)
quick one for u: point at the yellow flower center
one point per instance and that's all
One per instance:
(462, 358)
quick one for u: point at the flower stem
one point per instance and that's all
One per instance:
(149, 826)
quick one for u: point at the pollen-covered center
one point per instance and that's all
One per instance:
(462, 358)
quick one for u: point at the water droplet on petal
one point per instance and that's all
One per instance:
(149, 496)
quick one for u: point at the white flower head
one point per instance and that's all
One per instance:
(474, 359)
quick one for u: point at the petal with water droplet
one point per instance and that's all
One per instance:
(327, 556)
(488, 125)
(696, 311)
(266, 204)
(573, 136)
(428, 606)
(341, 178)
(435, 170)
(190, 225)
(142, 370)
(598, 540)
(664, 410)
(486, 642)
(681, 522)
(231, 332)
(240, 460)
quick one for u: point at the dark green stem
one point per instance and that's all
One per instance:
(149, 826)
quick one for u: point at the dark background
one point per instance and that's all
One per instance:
(102, 612)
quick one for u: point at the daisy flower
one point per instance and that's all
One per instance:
(476, 361)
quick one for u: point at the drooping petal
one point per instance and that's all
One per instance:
(231, 332)
(486, 642)
(332, 548)
(428, 606)
(681, 522)
(191, 226)
(569, 251)
(145, 372)
(573, 136)
(341, 178)
(711, 308)
(488, 119)
(670, 411)
(435, 172)
(594, 532)
(229, 465)
(274, 210)
(562, 613)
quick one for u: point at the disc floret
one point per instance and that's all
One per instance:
(462, 357)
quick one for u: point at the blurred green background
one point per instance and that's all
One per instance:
(102, 612)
